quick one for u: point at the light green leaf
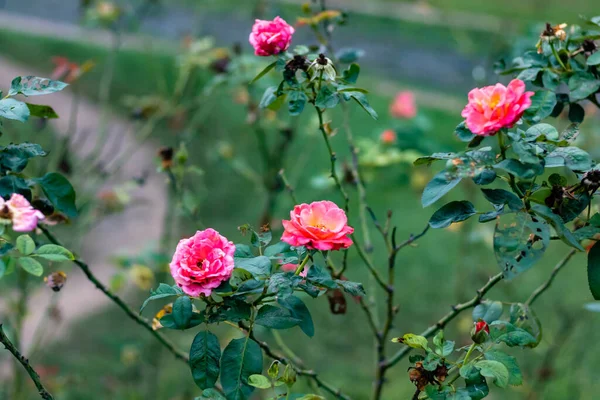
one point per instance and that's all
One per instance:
(515, 377)
(14, 109)
(495, 370)
(34, 86)
(31, 266)
(53, 252)
(25, 245)
(259, 381)
(487, 310)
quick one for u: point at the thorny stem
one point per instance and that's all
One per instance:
(119, 302)
(288, 187)
(35, 377)
(543, 287)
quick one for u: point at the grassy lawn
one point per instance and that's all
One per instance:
(107, 356)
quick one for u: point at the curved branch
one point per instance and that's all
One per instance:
(118, 301)
(35, 377)
(544, 286)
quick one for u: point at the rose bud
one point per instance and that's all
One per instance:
(480, 332)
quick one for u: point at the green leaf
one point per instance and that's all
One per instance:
(259, 381)
(14, 109)
(550, 79)
(573, 158)
(182, 312)
(263, 72)
(522, 316)
(581, 85)
(434, 157)
(475, 384)
(529, 74)
(25, 245)
(53, 252)
(503, 197)
(520, 169)
(205, 356)
(210, 394)
(594, 59)
(353, 288)
(2, 268)
(15, 157)
(298, 310)
(269, 97)
(361, 99)
(542, 104)
(296, 102)
(463, 133)
(487, 310)
(326, 98)
(593, 270)
(241, 358)
(321, 277)
(258, 266)
(520, 240)
(495, 370)
(413, 341)
(243, 251)
(576, 113)
(455, 211)
(350, 75)
(60, 192)
(502, 331)
(437, 187)
(41, 111)
(13, 184)
(34, 86)
(276, 318)
(556, 221)
(31, 266)
(541, 130)
(515, 377)
(347, 55)
(162, 291)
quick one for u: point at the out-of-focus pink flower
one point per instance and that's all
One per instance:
(202, 262)
(292, 268)
(492, 108)
(320, 225)
(404, 105)
(270, 37)
(388, 136)
(23, 216)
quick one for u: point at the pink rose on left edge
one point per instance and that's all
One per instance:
(202, 262)
(270, 37)
(492, 108)
(320, 225)
(23, 216)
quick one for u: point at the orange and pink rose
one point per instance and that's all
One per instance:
(320, 225)
(492, 108)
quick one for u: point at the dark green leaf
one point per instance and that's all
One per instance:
(350, 75)
(455, 211)
(463, 133)
(296, 102)
(542, 104)
(41, 111)
(573, 158)
(581, 85)
(361, 99)
(594, 59)
(326, 98)
(258, 266)
(15, 157)
(276, 318)
(353, 288)
(320, 277)
(182, 312)
(205, 356)
(576, 113)
(13, 184)
(162, 291)
(437, 187)
(556, 221)
(299, 311)
(519, 169)
(593, 270)
(241, 358)
(503, 197)
(60, 192)
(502, 331)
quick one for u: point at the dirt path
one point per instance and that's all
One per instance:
(129, 232)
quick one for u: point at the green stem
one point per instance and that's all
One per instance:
(35, 377)
(511, 178)
(468, 353)
(555, 53)
(302, 264)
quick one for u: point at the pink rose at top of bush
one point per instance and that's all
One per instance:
(270, 37)
(404, 105)
(320, 225)
(492, 108)
(202, 262)
(23, 216)
(292, 268)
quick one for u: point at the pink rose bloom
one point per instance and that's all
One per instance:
(404, 105)
(292, 268)
(23, 216)
(492, 108)
(202, 262)
(320, 225)
(270, 37)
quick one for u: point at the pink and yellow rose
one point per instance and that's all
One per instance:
(320, 225)
(492, 108)
(202, 262)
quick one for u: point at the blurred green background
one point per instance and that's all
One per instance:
(438, 49)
